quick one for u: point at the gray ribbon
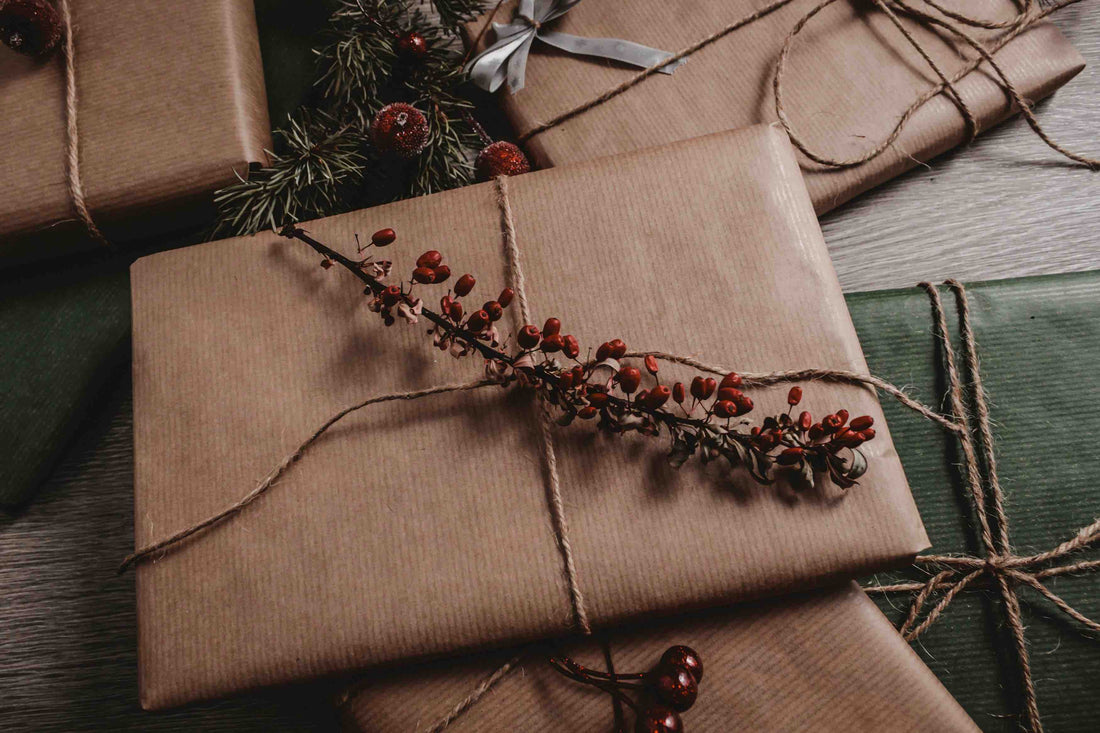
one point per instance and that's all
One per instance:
(506, 60)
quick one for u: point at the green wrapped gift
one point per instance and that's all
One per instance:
(1037, 341)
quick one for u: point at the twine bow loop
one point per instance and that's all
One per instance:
(506, 59)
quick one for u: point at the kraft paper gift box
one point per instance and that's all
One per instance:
(849, 78)
(824, 662)
(422, 529)
(170, 107)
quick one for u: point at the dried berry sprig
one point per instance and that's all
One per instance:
(669, 688)
(608, 388)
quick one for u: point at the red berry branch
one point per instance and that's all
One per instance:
(662, 693)
(702, 421)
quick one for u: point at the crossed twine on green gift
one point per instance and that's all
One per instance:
(998, 566)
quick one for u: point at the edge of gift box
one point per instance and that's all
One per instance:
(164, 210)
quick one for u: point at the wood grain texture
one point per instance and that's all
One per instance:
(1004, 206)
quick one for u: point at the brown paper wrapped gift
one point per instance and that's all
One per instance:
(422, 529)
(822, 662)
(171, 106)
(849, 78)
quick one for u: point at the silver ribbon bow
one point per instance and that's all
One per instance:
(507, 58)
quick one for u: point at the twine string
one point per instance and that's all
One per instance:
(952, 22)
(953, 574)
(72, 130)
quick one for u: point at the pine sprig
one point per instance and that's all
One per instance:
(320, 156)
(324, 159)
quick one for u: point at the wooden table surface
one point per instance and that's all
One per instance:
(1002, 207)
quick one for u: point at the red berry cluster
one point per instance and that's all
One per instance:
(709, 414)
(665, 691)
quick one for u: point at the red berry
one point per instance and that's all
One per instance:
(551, 344)
(604, 352)
(400, 129)
(698, 388)
(684, 656)
(505, 297)
(588, 412)
(831, 423)
(847, 438)
(565, 381)
(843, 415)
(658, 719)
(494, 309)
(412, 46)
(424, 275)
(794, 396)
(31, 27)
(431, 259)
(572, 346)
(441, 274)
(744, 405)
(675, 686)
(867, 434)
(464, 285)
(816, 431)
(657, 396)
(501, 159)
(725, 408)
(678, 395)
(383, 237)
(709, 385)
(805, 420)
(454, 310)
(733, 379)
(529, 337)
(790, 456)
(651, 363)
(552, 327)
(618, 349)
(629, 379)
(391, 295)
(862, 423)
(599, 399)
(730, 393)
(477, 321)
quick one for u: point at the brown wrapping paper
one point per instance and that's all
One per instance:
(420, 529)
(826, 662)
(849, 78)
(171, 106)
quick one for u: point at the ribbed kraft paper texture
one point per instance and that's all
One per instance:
(420, 529)
(171, 106)
(826, 662)
(850, 76)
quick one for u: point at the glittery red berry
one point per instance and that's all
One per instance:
(675, 686)
(31, 27)
(501, 159)
(399, 129)
(529, 337)
(383, 237)
(686, 657)
(464, 285)
(412, 46)
(658, 719)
